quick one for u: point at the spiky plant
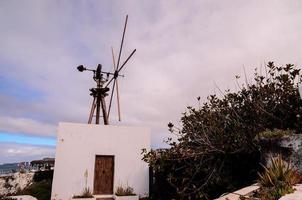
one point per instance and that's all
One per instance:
(85, 194)
(128, 191)
(278, 179)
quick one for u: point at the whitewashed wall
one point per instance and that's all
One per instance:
(77, 146)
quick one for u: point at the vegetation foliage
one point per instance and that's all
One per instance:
(218, 143)
(85, 194)
(278, 179)
(43, 175)
(41, 190)
(41, 186)
(275, 134)
(128, 191)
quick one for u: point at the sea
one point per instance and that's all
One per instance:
(10, 168)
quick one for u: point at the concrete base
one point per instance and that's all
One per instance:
(24, 197)
(104, 197)
(126, 198)
(242, 192)
(297, 195)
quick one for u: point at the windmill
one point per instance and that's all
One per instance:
(103, 81)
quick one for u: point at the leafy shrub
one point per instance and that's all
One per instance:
(278, 179)
(43, 175)
(247, 198)
(276, 133)
(41, 190)
(217, 147)
(41, 186)
(128, 191)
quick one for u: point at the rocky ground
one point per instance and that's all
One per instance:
(23, 197)
(10, 184)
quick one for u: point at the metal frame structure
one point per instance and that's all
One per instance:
(103, 83)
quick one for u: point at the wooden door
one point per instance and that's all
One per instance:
(103, 175)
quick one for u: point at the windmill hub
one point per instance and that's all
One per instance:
(99, 92)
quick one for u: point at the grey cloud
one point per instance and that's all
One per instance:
(11, 152)
(25, 125)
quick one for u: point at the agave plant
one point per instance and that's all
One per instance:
(278, 179)
(279, 171)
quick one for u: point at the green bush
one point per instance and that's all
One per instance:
(43, 175)
(217, 148)
(41, 190)
(275, 134)
(41, 186)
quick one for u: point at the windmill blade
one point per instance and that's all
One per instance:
(122, 42)
(117, 88)
(117, 70)
(111, 97)
(118, 101)
(113, 59)
(113, 87)
(126, 60)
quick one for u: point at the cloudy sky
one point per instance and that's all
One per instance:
(185, 49)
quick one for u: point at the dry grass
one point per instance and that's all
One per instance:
(278, 179)
(128, 191)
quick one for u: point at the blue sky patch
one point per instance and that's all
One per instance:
(23, 139)
(18, 89)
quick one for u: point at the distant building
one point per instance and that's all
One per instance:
(45, 163)
(9, 168)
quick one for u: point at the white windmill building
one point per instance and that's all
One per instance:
(101, 157)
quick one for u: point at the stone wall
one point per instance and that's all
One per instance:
(289, 146)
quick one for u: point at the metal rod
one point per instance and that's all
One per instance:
(111, 74)
(122, 42)
(111, 97)
(113, 59)
(91, 111)
(106, 122)
(118, 101)
(126, 60)
(98, 95)
(97, 117)
(112, 92)
(117, 88)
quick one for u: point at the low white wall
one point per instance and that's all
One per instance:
(77, 146)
